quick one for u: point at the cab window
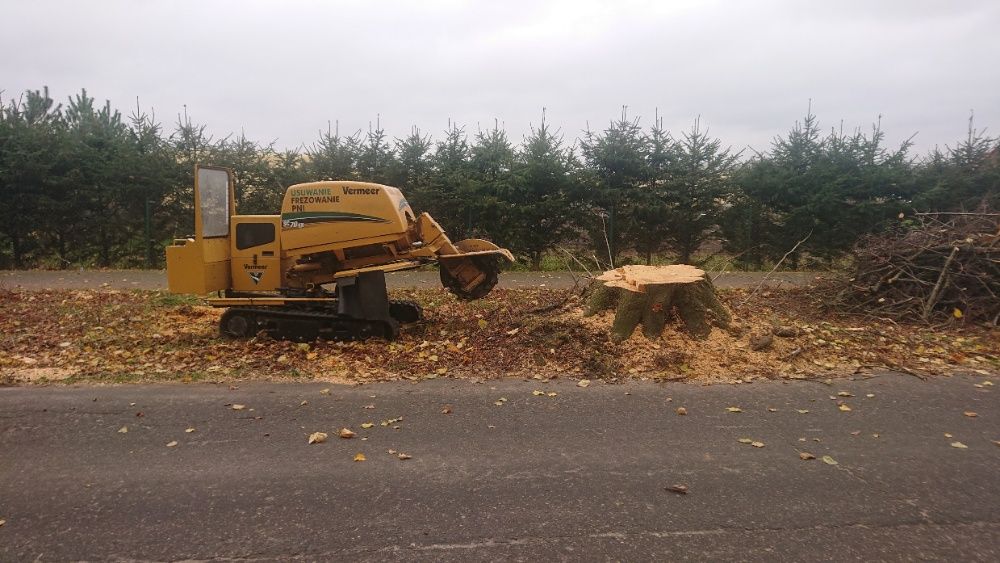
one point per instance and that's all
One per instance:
(249, 235)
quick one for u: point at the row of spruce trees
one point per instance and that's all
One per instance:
(83, 185)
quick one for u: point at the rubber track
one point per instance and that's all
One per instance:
(355, 326)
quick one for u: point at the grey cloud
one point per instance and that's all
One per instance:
(280, 70)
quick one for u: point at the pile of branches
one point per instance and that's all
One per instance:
(936, 267)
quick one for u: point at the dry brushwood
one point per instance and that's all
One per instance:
(943, 266)
(652, 295)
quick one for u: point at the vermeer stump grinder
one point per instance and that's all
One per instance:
(318, 269)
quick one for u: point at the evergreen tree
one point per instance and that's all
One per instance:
(618, 170)
(376, 159)
(651, 201)
(491, 177)
(80, 185)
(32, 167)
(412, 167)
(538, 205)
(93, 202)
(151, 173)
(257, 191)
(963, 178)
(191, 145)
(333, 157)
(445, 197)
(699, 181)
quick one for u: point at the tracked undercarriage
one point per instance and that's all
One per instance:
(358, 309)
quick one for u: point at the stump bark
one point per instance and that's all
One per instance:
(653, 295)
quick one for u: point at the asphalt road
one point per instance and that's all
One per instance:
(577, 476)
(157, 279)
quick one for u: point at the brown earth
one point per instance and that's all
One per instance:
(119, 336)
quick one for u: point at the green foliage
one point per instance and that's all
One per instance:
(81, 185)
(963, 178)
(538, 203)
(696, 180)
(617, 172)
(825, 191)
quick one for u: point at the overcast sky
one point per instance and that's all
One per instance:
(280, 70)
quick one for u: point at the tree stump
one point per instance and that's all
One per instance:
(652, 295)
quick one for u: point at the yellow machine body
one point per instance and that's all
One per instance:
(326, 231)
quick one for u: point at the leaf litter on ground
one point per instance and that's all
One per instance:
(119, 336)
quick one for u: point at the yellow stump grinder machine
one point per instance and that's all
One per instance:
(318, 269)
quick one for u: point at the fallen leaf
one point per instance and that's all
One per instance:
(829, 460)
(482, 323)
(325, 391)
(844, 394)
(988, 383)
(947, 435)
(2, 522)
(312, 356)
(369, 407)
(844, 408)
(367, 425)
(583, 383)
(346, 433)
(959, 445)
(957, 313)
(171, 443)
(757, 444)
(446, 409)
(855, 433)
(996, 442)
(238, 407)
(802, 411)
(189, 430)
(806, 456)
(404, 456)
(870, 395)
(551, 394)
(123, 430)
(970, 414)
(682, 411)
(679, 489)
(772, 409)
(536, 392)
(303, 403)
(360, 457)
(734, 409)
(745, 440)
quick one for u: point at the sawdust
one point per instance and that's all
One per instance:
(122, 336)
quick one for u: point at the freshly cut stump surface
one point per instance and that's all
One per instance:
(653, 295)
